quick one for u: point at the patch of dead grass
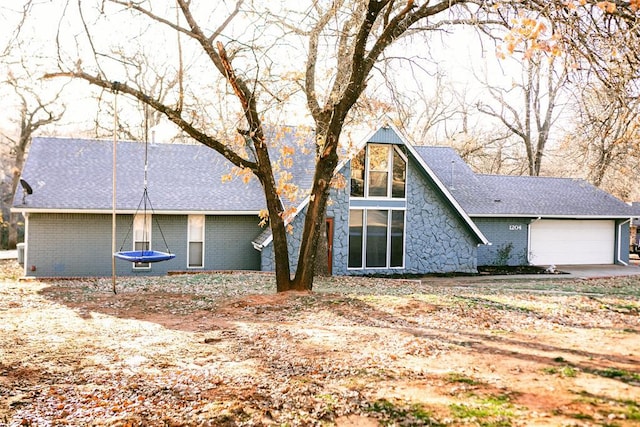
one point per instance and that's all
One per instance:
(227, 350)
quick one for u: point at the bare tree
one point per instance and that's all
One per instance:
(34, 112)
(448, 117)
(529, 107)
(427, 113)
(332, 48)
(606, 139)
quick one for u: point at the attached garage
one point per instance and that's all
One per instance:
(536, 219)
(572, 242)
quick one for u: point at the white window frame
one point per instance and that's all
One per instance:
(191, 238)
(141, 231)
(387, 266)
(367, 172)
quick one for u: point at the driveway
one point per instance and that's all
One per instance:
(569, 272)
(599, 271)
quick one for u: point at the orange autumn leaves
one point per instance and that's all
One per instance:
(282, 163)
(529, 35)
(605, 6)
(532, 34)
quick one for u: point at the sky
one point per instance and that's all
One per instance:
(458, 55)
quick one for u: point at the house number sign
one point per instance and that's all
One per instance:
(515, 227)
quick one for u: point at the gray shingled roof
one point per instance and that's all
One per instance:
(75, 174)
(636, 212)
(387, 134)
(503, 195)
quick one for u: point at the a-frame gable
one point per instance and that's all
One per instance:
(385, 135)
(389, 134)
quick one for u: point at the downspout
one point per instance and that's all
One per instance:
(529, 239)
(26, 246)
(619, 260)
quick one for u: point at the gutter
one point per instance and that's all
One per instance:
(547, 216)
(130, 211)
(26, 247)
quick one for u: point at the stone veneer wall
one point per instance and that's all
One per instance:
(436, 238)
(267, 259)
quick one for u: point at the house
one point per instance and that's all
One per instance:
(68, 216)
(634, 235)
(394, 216)
(404, 209)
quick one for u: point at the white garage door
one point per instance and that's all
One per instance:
(572, 242)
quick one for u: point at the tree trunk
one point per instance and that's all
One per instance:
(281, 256)
(276, 222)
(322, 252)
(12, 240)
(314, 224)
(21, 149)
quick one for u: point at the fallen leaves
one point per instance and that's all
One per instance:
(225, 350)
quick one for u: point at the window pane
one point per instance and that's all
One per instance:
(399, 175)
(141, 236)
(377, 238)
(397, 238)
(195, 254)
(141, 246)
(355, 239)
(378, 184)
(378, 170)
(196, 228)
(357, 175)
(141, 227)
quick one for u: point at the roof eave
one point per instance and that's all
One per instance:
(549, 216)
(268, 240)
(24, 210)
(481, 237)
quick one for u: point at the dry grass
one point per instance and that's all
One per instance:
(225, 350)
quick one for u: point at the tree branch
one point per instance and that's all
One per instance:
(172, 114)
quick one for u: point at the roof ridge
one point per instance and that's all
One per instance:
(530, 176)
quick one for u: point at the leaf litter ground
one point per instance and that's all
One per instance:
(225, 350)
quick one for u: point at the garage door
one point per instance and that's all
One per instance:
(572, 242)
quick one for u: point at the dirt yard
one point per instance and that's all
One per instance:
(224, 350)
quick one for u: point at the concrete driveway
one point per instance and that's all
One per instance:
(596, 271)
(570, 272)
